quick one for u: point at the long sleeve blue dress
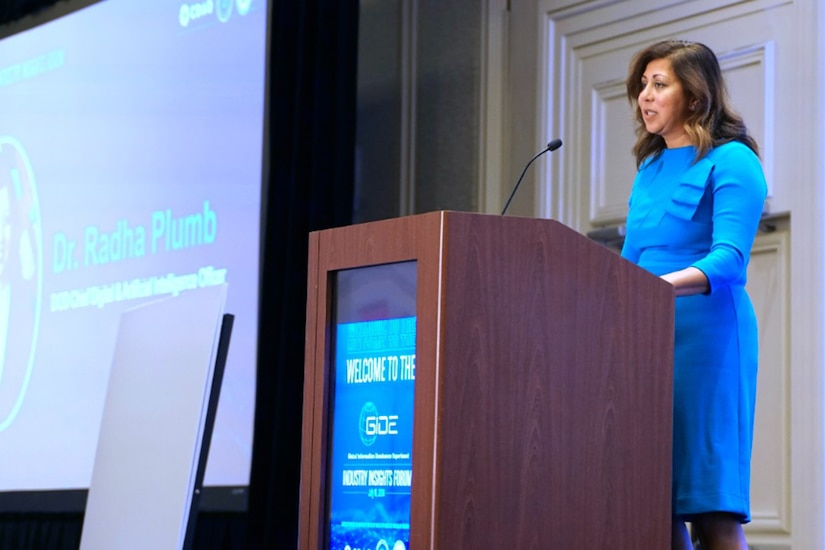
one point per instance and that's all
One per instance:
(705, 214)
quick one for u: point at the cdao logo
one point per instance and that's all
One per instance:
(191, 12)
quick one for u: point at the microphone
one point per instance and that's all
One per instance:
(552, 146)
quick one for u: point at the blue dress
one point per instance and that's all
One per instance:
(705, 214)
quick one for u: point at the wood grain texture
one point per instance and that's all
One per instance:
(556, 392)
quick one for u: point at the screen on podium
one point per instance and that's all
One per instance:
(373, 377)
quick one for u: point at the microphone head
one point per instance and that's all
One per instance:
(553, 145)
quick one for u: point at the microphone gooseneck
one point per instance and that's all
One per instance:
(552, 146)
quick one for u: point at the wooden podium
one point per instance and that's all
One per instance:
(543, 388)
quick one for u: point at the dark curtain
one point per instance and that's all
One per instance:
(309, 182)
(42, 531)
(61, 531)
(312, 76)
(12, 10)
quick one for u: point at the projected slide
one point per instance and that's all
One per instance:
(130, 170)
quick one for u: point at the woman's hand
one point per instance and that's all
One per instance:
(688, 281)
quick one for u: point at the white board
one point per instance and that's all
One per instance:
(153, 423)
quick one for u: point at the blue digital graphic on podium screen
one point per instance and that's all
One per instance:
(371, 473)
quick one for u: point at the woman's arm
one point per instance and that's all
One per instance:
(739, 191)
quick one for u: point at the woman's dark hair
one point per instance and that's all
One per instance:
(712, 122)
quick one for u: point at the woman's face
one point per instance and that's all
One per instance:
(663, 104)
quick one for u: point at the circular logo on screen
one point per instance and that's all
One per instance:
(224, 10)
(183, 15)
(243, 6)
(368, 412)
(382, 545)
(21, 276)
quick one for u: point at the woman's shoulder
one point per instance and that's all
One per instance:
(736, 162)
(732, 151)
